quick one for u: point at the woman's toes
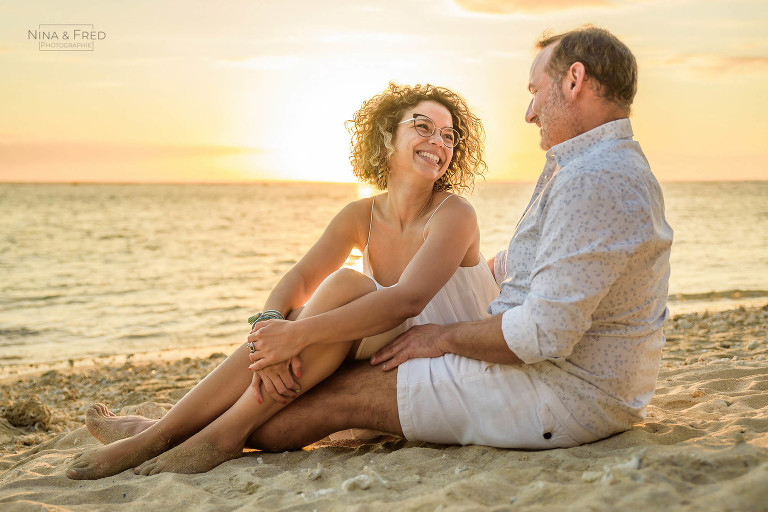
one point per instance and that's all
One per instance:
(146, 467)
(78, 464)
(78, 472)
(95, 409)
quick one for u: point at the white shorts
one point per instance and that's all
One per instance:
(457, 400)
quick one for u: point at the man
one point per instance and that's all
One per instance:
(572, 351)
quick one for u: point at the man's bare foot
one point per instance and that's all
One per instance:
(196, 455)
(116, 457)
(108, 428)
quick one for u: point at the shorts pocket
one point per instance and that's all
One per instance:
(553, 435)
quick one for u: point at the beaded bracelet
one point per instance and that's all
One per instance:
(270, 314)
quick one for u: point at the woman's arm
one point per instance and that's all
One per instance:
(298, 284)
(327, 255)
(452, 232)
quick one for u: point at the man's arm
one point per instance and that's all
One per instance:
(482, 340)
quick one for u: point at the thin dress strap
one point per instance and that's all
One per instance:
(424, 231)
(370, 224)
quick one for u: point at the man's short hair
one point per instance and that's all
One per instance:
(605, 58)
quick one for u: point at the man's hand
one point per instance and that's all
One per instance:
(418, 341)
(278, 381)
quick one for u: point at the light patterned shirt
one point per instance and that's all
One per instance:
(585, 279)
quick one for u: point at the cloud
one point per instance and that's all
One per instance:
(262, 62)
(99, 84)
(14, 151)
(721, 63)
(357, 36)
(519, 6)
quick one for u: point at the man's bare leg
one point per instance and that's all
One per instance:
(190, 415)
(357, 395)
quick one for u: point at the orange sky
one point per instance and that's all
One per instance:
(242, 90)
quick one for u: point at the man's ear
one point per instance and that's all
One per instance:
(574, 80)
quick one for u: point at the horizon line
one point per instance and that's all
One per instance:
(280, 181)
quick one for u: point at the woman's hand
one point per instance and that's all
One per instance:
(272, 342)
(278, 381)
(418, 341)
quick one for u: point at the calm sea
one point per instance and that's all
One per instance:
(97, 270)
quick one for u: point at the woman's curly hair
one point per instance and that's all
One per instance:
(373, 126)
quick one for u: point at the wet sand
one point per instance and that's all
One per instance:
(703, 446)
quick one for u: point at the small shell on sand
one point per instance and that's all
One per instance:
(357, 482)
(373, 474)
(611, 474)
(317, 472)
(364, 480)
(29, 412)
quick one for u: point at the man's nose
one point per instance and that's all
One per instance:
(530, 117)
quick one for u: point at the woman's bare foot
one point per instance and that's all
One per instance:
(201, 453)
(108, 428)
(116, 457)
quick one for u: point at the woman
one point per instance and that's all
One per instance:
(422, 263)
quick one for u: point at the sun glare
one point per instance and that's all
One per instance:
(310, 138)
(364, 191)
(308, 132)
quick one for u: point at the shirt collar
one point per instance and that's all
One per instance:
(565, 152)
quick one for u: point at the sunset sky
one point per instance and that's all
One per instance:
(248, 90)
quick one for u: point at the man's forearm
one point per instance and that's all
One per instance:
(482, 340)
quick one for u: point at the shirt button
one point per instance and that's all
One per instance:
(547, 435)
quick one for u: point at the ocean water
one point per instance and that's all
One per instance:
(90, 271)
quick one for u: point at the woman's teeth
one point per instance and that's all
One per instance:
(430, 156)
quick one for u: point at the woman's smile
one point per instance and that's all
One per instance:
(430, 157)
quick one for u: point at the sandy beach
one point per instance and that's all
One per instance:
(703, 446)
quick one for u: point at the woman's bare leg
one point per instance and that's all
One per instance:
(225, 438)
(216, 393)
(205, 402)
(108, 427)
(225, 389)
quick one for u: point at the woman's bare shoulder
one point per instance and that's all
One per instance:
(354, 219)
(358, 208)
(457, 208)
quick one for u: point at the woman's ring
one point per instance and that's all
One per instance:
(251, 348)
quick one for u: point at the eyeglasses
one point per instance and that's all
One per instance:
(426, 127)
